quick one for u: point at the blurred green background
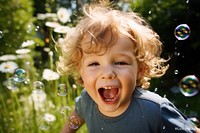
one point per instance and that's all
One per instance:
(22, 20)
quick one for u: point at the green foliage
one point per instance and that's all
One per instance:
(16, 24)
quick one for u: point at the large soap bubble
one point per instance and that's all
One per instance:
(189, 85)
(182, 32)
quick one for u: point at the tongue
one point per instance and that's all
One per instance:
(110, 93)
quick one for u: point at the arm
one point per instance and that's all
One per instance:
(68, 129)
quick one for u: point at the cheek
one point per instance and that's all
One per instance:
(128, 77)
(87, 78)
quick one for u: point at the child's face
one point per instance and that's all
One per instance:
(110, 79)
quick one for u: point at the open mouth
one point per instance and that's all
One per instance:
(109, 94)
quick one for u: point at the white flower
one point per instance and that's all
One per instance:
(52, 24)
(38, 96)
(23, 51)
(49, 117)
(8, 67)
(63, 29)
(41, 16)
(64, 14)
(23, 56)
(46, 49)
(50, 15)
(7, 57)
(50, 75)
(27, 43)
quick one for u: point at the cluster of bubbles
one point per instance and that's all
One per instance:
(189, 85)
(12, 83)
(182, 32)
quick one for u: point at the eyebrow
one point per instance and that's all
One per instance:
(132, 56)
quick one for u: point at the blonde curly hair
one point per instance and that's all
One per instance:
(99, 20)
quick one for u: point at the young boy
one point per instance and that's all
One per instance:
(115, 54)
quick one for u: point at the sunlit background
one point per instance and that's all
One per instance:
(34, 98)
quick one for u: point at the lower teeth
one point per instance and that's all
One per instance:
(109, 99)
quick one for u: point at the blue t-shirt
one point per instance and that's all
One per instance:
(147, 113)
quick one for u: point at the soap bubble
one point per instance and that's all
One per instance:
(46, 121)
(73, 122)
(65, 110)
(62, 90)
(11, 84)
(20, 75)
(175, 89)
(1, 34)
(176, 72)
(38, 85)
(189, 85)
(182, 32)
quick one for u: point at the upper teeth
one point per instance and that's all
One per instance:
(108, 87)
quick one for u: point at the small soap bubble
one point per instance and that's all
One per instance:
(156, 89)
(189, 85)
(1, 34)
(44, 125)
(62, 90)
(149, 12)
(65, 110)
(20, 75)
(175, 89)
(176, 72)
(46, 121)
(27, 81)
(163, 127)
(11, 84)
(37, 28)
(38, 85)
(29, 28)
(182, 32)
(73, 122)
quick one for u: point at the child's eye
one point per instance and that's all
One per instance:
(121, 63)
(93, 64)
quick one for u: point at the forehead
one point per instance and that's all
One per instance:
(100, 42)
(123, 45)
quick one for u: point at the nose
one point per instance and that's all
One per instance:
(108, 73)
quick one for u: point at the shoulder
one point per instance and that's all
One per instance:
(171, 118)
(82, 102)
(150, 96)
